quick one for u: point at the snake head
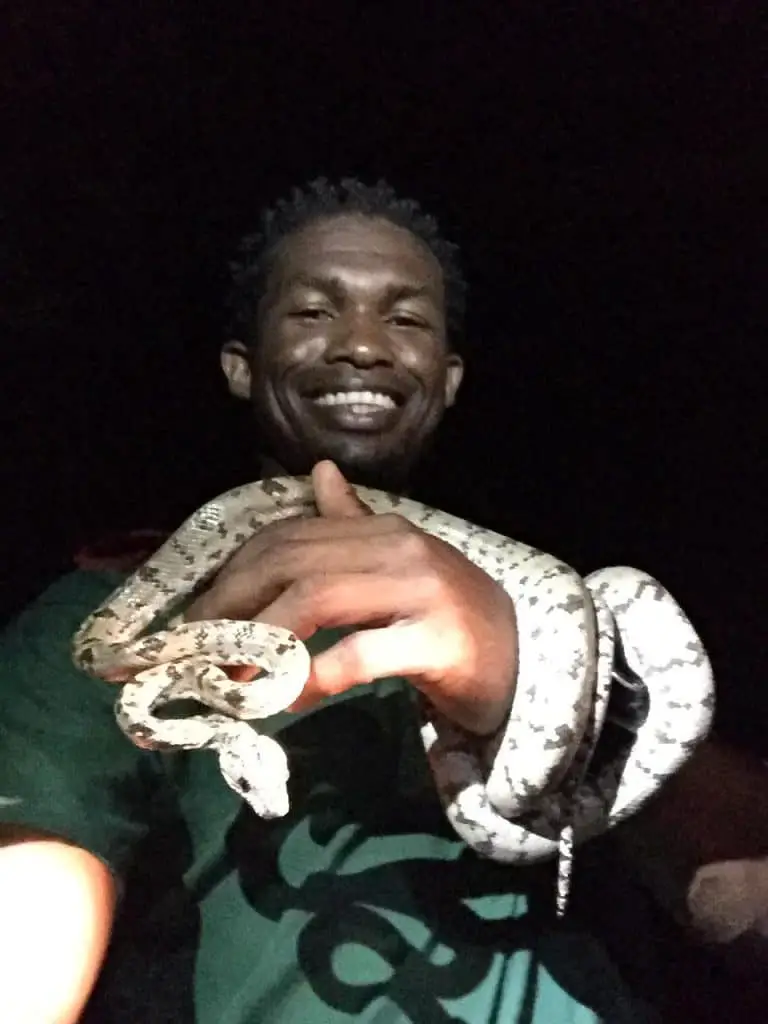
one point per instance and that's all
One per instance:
(256, 768)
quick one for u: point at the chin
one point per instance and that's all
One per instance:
(381, 469)
(383, 476)
(381, 462)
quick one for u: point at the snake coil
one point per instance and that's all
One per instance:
(533, 791)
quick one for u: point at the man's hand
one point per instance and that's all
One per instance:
(424, 610)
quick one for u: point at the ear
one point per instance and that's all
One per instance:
(454, 374)
(237, 368)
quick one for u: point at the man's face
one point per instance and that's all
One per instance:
(351, 361)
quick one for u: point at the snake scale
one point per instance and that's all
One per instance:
(525, 795)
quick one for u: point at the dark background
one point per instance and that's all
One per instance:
(604, 167)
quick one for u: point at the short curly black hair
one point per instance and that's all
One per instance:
(321, 198)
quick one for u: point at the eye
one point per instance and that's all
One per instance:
(311, 313)
(406, 320)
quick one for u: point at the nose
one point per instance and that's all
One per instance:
(360, 342)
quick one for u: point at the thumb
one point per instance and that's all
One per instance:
(334, 496)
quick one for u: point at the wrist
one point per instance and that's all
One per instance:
(484, 711)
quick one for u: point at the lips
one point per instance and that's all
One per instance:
(341, 401)
(354, 399)
(355, 409)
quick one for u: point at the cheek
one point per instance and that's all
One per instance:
(425, 364)
(284, 346)
(276, 370)
(433, 381)
(287, 355)
(272, 392)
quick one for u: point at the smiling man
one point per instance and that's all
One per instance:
(346, 328)
(361, 904)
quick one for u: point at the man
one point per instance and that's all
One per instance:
(361, 904)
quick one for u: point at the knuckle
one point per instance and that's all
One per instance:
(325, 688)
(277, 528)
(262, 546)
(432, 588)
(278, 559)
(412, 544)
(392, 522)
(250, 551)
(236, 562)
(350, 660)
(312, 593)
(269, 536)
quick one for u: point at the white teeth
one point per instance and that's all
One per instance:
(357, 399)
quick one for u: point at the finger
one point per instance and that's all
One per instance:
(348, 599)
(430, 658)
(302, 528)
(334, 496)
(403, 649)
(308, 529)
(255, 574)
(297, 566)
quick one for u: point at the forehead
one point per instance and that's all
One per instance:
(366, 251)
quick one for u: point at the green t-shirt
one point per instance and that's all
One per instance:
(360, 905)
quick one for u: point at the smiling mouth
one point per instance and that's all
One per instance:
(356, 400)
(365, 411)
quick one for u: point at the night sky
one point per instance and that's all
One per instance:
(604, 167)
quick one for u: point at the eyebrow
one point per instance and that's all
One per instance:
(333, 286)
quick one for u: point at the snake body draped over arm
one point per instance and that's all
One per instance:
(530, 793)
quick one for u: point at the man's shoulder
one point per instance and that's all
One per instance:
(66, 769)
(75, 592)
(120, 551)
(36, 644)
(98, 568)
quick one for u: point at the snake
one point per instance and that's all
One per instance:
(532, 791)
